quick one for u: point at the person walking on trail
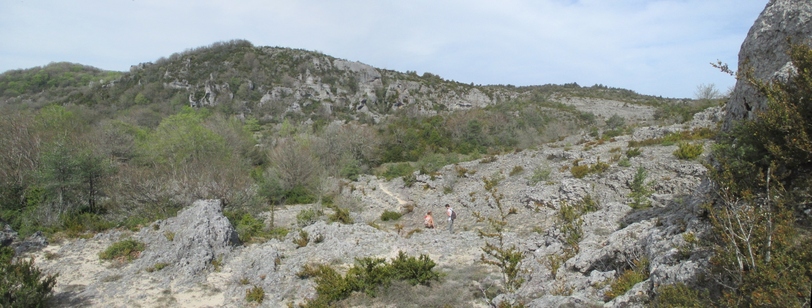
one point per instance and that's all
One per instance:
(451, 217)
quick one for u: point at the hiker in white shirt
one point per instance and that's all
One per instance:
(451, 216)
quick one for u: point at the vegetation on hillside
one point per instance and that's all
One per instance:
(85, 149)
(760, 243)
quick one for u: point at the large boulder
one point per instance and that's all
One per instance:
(765, 52)
(191, 242)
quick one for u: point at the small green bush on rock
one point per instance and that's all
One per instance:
(390, 215)
(124, 250)
(688, 151)
(255, 294)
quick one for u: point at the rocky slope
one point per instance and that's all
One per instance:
(194, 260)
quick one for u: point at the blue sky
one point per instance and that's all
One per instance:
(655, 47)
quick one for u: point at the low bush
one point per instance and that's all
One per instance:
(255, 294)
(157, 267)
(673, 138)
(307, 217)
(541, 173)
(390, 215)
(75, 223)
(628, 279)
(123, 250)
(516, 170)
(688, 151)
(678, 295)
(633, 152)
(303, 239)
(250, 229)
(21, 283)
(397, 170)
(414, 270)
(341, 215)
(368, 275)
(580, 171)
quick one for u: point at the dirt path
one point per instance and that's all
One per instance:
(389, 193)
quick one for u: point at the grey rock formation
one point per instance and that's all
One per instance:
(7, 235)
(189, 242)
(765, 52)
(32, 242)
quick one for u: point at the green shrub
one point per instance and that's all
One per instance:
(367, 275)
(579, 171)
(390, 215)
(496, 251)
(624, 162)
(255, 294)
(341, 215)
(516, 170)
(157, 267)
(21, 283)
(688, 151)
(678, 295)
(303, 239)
(126, 249)
(628, 279)
(307, 217)
(673, 138)
(570, 222)
(640, 190)
(633, 152)
(250, 229)
(761, 257)
(397, 170)
(541, 173)
(299, 194)
(414, 270)
(79, 222)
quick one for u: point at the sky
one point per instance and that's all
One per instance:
(653, 47)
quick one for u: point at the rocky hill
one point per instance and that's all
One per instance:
(269, 83)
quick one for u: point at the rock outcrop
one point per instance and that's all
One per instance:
(765, 52)
(190, 242)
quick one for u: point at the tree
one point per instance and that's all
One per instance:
(57, 175)
(294, 163)
(496, 251)
(707, 92)
(181, 139)
(92, 171)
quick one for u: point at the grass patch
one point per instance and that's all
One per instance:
(390, 215)
(688, 151)
(255, 294)
(580, 171)
(123, 250)
(675, 137)
(628, 279)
